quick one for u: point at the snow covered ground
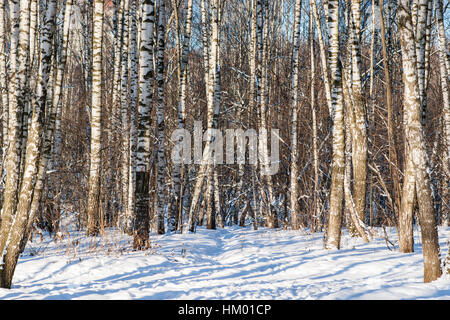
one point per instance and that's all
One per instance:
(230, 263)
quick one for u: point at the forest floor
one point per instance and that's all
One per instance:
(230, 263)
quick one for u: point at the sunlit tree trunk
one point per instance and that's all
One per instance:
(20, 45)
(421, 40)
(316, 215)
(358, 125)
(179, 169)
(206, 168)
(124, 113)
(146, 74)
(96, 114)
(133, 65)
(264, 164)
(338, 162)
(415, 139)
(18, 228)
(3, 81)
(294, 118)
(323, 58)
(444, 68)
(349, 118)
(114, 111)
(58, 83)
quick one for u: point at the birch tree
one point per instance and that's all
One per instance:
(444, 68)
(58, 82)
(337, 174)
(124, 111)
(417, 163)
(96, 114)
(160, 116)
(294, 116)
(179, 169)
(133, 62)
(17, 230)
(146, 74)
(3, 80)
(316, 198)
(358, 125)
(20, 35)
(206, 169)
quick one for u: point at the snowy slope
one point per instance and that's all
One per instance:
(231, 263)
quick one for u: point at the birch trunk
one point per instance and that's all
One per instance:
(96, 114)
(316, 198)
(125, 128)
(177, 201)
(160, 118)
(338, 165)
(19, 35)
(444, 69)
(323, 57)
(114, 114)
(264, 161)
(294, 117)
(212, 111)
(420, 37)
(358, 125)
(415, 138)
(133, 65)
(349, 117)
(3, 81)
(142, 223)
(17, 232)
(58, 82)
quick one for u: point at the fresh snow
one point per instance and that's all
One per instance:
(230, 263)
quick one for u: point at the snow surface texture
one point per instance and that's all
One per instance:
(230, 263)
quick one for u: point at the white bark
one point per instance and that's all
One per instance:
(96, 115)
(160, 118)
(417, 165)
(17, 232)
(294, 207)
(146, 74)
(337, 170)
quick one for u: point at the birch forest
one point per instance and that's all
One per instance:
(347, 102)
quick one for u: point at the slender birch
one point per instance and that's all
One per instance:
(323, 58)
(146, 74)
(133, 65)
(212, 112)
(316, 198)
(358, 125)
(180, 169)
(58, 81)
(420, 38)
(264, 161)
(114, 112)
(444, 69)
(160, 117)
(3, 80)
(124, 112)
(338, 165)
(96, 115)
(294, 117)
